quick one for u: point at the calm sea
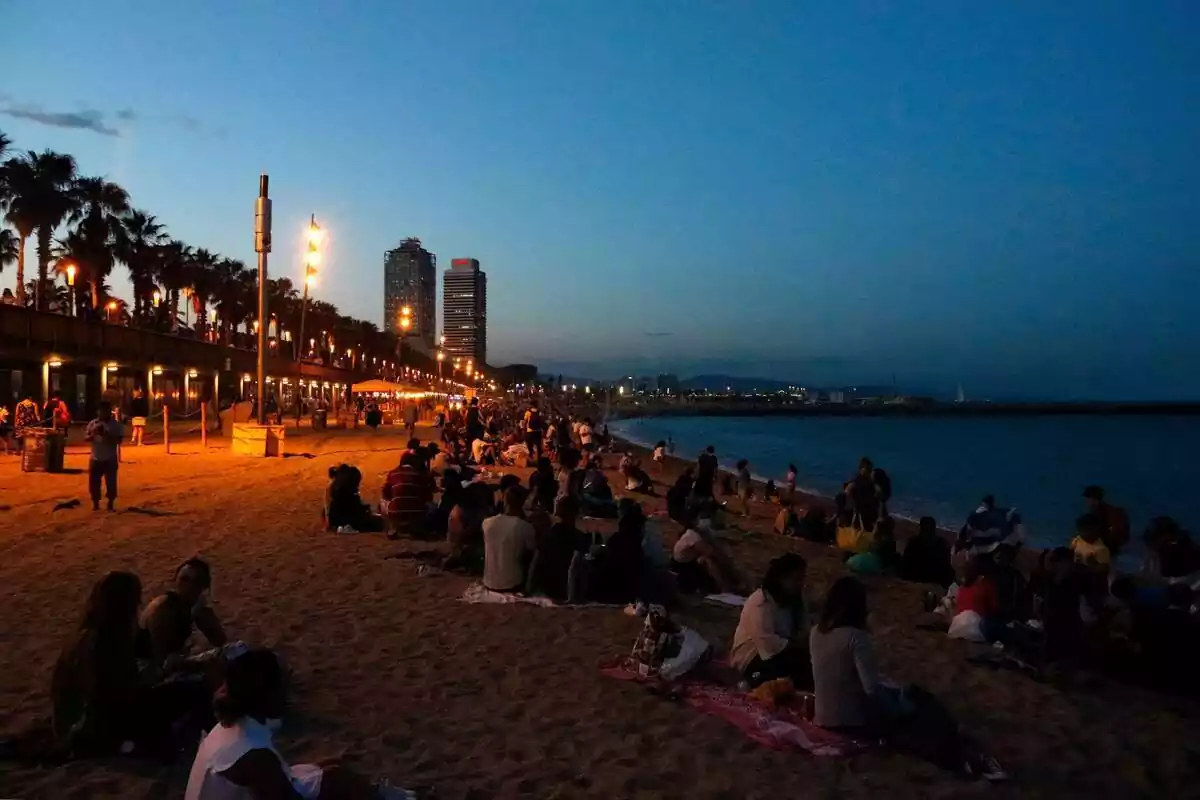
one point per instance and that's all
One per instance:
(942, 466)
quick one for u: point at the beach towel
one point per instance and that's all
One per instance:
(478, 593)
(783, 728)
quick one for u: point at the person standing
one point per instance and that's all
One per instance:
(410, 418)
(706, 473)
(1116, 521)
(139, 409)
(105, 435)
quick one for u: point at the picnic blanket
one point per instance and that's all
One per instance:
(782, 728)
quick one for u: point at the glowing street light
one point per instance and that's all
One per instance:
(312, 260)
(111, 306)
(157, 298)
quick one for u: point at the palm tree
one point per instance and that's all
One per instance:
(38, 189)
(171, 272)
(99, 205)
(136, 245)
(9, 246)
(202, 278)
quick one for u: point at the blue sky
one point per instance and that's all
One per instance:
(999, 193)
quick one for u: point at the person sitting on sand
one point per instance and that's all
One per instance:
(569, 476)
(509, 543)
(881, 556)
(989, 526)
(169, 619)
(1116, 522)
(103, 704)
(976, 604)
(815, 526)
(1170, 552)
(552, 558)
(636, 479)
(344, 504)
(849, 695)
(678, 494)
(597, 496)
(238, 759)
(769, 491)
(771, 640)
(699, 563)
(543, 487)
(464, 527)
(786, 521)
(927, 556)
(407, 496)
(617, 576)
(1088, 545)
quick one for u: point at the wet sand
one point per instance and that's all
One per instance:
(395, 676)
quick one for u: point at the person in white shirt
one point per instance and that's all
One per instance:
(508, 545)
(105, 435)
(699, 563)
(238, 759)
(586, 436)
(771, 640)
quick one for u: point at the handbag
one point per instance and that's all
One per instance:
(854, 538)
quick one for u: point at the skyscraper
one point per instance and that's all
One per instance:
(410, 279)
(464, 310)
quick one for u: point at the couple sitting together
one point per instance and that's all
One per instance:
(836, 660)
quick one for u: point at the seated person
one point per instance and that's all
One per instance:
(440, 461)
(509, 543)
(976, 604)
(238, 758)
(879, 558)
(771, 640)
(988, 526)
(1014, 602)
(483, 452)
(616, 577)
(102, 704)
(543, 487)
(507, 482)
(1170, 552)
(407, 497)
(770, 492)
(636, 479)
(849, 695)
(677, 495)
(597, 496)
(346, 506)
(816, 527)
(464, 527)
(927, 556)
(699, 563)
(786, 521)
(168, 619)
(552, 558)
(1088, 545)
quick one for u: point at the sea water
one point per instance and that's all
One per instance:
(943, 466)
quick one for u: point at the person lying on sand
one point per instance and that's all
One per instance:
(771, 640)
(169, 619)
(238, 760)
(849, 695)
(103, 705)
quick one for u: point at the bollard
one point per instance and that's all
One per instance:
(204, 426)
(167, 428)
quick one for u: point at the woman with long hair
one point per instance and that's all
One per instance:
(771, 640)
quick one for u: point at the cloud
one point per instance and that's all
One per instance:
(101, 122)
(85, 120)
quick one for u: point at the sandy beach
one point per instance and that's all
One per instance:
(400, 679)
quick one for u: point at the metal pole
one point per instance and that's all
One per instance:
(262, 245)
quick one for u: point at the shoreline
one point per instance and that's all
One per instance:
(765, 408)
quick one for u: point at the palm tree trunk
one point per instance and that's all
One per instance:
(43, 254)
(21, 273)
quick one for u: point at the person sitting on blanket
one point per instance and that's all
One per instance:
(238, 758)
(509, 542)
(168, 620)
(927, 556)
(345, 505)
(552, 559)
(849, 695)
(771, 640)
(699, 563)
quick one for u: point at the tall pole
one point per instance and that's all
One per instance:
(262, 245)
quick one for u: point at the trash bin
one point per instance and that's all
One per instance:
(320, 419)
(43, 450)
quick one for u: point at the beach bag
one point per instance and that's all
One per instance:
(854, 538)
(659, 640)
(693, 648)
(967, 625)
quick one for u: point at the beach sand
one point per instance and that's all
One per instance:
(401, 680)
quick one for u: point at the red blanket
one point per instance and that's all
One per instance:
(781, 728)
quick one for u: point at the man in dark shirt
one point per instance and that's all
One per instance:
(706, 473)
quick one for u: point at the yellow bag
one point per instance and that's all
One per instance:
(853, 538)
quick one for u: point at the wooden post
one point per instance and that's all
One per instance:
(167, 427)
(204, 426)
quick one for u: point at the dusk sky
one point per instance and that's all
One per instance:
(1003, 194)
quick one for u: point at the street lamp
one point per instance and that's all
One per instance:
(157, 298)
(71, 283)
(312, 259)
(111, 306)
